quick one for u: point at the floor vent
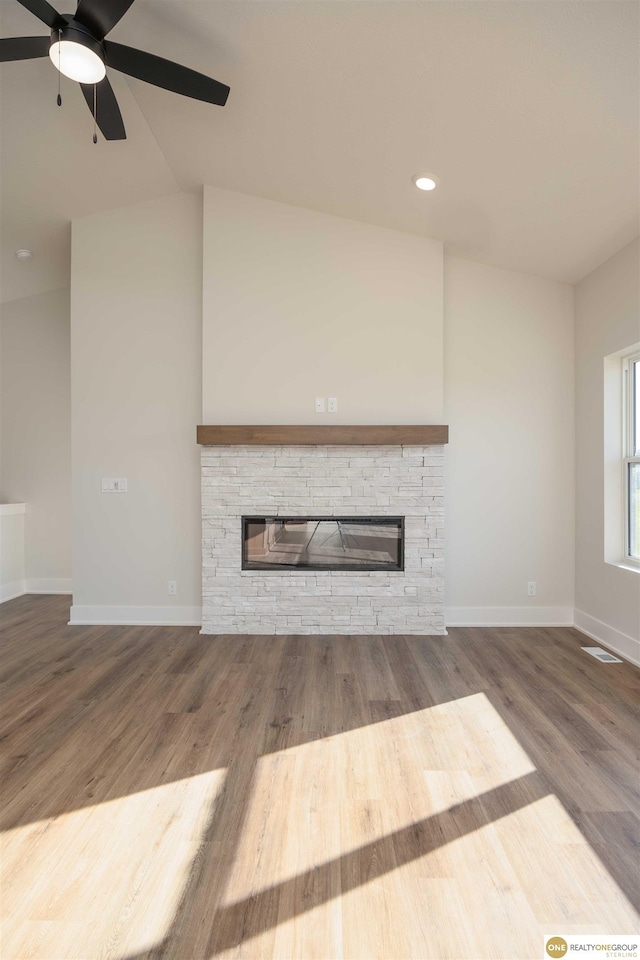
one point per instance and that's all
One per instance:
(603, 655)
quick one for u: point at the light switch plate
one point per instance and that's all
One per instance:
(114, 486)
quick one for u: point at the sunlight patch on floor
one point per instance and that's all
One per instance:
(109, 873)
(492, 892)
(558, 871)
(365, 783)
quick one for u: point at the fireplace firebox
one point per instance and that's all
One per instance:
(323, 543)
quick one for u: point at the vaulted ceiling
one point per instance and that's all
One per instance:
(526, 111)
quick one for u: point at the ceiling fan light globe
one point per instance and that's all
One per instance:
(77, 61)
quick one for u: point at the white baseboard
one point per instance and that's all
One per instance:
(509, 616)
(609, 637)
(136, 616)
(9, 591)
(48, 585)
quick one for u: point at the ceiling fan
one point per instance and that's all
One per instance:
(78, 49)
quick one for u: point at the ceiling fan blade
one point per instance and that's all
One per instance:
(108, 116)
(24, 48)
(101, 16)
(43, 11)
(165, 73)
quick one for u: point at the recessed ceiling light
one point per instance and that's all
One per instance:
(425, 181)
(24, 254)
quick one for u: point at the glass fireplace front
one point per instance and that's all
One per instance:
(323, 543)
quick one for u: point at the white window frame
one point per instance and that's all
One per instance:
(629, 453)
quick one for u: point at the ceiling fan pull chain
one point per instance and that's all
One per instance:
(59, 100)
(95, 110)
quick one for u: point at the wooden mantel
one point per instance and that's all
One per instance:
(316, 435)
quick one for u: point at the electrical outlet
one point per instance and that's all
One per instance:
(332, 405)
(319, 404)
(531, 588)
(173, 588)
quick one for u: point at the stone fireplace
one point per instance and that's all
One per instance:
(322, 480)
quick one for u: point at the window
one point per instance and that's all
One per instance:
(631, 457)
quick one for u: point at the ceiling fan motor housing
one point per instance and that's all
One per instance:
(75, 32)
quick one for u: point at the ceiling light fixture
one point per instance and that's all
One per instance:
(24, 255)
(425, 181)
(77, 55)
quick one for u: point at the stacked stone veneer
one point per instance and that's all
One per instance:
(327, 481)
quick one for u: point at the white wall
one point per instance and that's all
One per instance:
(136, 288)
(299, 304)
(509, 463)
(36, 432)
(607, 320)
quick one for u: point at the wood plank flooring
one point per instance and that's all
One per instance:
(169, 795)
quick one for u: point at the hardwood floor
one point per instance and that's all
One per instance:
(178, 796)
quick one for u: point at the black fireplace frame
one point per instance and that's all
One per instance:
(261, 567)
